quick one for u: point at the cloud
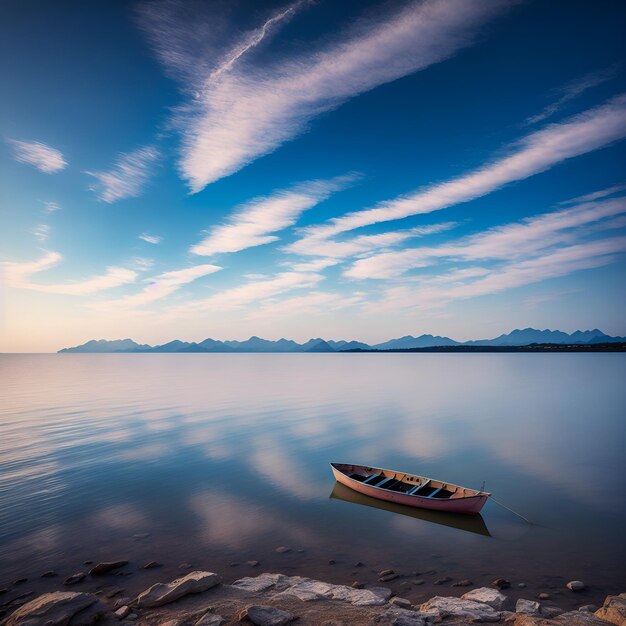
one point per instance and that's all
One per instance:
(159, 287)
(253, 224)
(37, 154)
(41, 232)
(241, 111)
(594, 129)
(18, 274)
(313, 303)
(51, 207)
(431, 293)
(150, 238)
(128, 176)
(253, 292)
(514, 240)
(572, 90)
(595, 195)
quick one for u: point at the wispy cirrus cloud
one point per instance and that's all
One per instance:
(41, 232)
(45, 158)
(51, 207)
(572, 90)
(253, 292)
(153, 239)
(129, 175)
(256, 222)
(514, 240)
(538, 152)
(18, 274)
(241, 111)
(159, 287)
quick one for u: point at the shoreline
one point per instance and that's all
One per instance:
(204, 598)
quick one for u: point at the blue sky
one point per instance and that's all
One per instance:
(345, 170)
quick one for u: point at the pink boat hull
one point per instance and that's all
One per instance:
(467, 505)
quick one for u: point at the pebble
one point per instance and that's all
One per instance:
(588, 608)
(266, 616)
(132, 617)
(106, 567)
(387, 577)
(121, 602)
(74, 578)
(401, 602)
(501, 583)
(235, 564)
(385, 572)
(254, 563)
(283, 549)
(521, 585)
(152, 565)
(122, 612)
(19, 581)
(49, 574)
(441, 581)
(185, 566)
(418, 581)
(544, 596)
(357, 585)
(463, 583)
(331, 562)
(87, 562)
(114, 591)
(575, 585)
(358, 564)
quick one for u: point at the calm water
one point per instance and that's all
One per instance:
(215, 459)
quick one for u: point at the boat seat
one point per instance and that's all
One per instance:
(434, 493)
(370, 478)
(385, 482)
(418, 487)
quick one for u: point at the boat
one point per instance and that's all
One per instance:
(469, 523)
(409, 489)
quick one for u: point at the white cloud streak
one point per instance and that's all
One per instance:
(18, 275)
(254, 223)
(128, 176)
(154, 239)
(536, 153)
(41, 232)
(159, 287)
(242, 112)
(514, 240)
(45, 158)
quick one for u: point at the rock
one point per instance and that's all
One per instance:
(259, 583)
(3, 590)
(501, 583)
(74, 578)
(441, 581)
(105, 567)
(575, 585)
(401, 602)
(331, 562)
(132, 617)
(544, 596)
(444, 607)
(579, 618)
(210, 619)
(358, 564)
(49, 574)
(614, 610)
(418, 581)
(521, 585)
(253, 563)
(162, 593)
(122, 612)
(387, 577)
(386, 572)
(463, 583)
(20, 581)
(589, 608)
(357, 585)
(87, 562)
(185, 566)
(528, 607)
(261, 615)
(551, 611)
(121, 602)
(51, 609)
(113, 591)
(493, 598)
(403, 617)
(152, 565)
(283, 549)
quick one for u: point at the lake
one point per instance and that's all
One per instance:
(212, 460)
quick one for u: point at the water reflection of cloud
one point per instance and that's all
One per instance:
(128, 517)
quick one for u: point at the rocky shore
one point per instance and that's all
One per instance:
(200, 598)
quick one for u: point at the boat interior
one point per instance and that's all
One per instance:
(405, 483)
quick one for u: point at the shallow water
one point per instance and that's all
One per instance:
(222, 458)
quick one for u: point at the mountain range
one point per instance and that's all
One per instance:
(527, 336)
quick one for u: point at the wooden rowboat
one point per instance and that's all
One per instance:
(409, 489)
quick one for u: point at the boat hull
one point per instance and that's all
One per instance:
(467, 506)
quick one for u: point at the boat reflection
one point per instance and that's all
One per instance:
(470, 523)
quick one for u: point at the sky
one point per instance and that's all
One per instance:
(350, 170)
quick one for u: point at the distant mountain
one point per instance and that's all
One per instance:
(531, 335)
(423, 341)
(102, 345)
(517, 337)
